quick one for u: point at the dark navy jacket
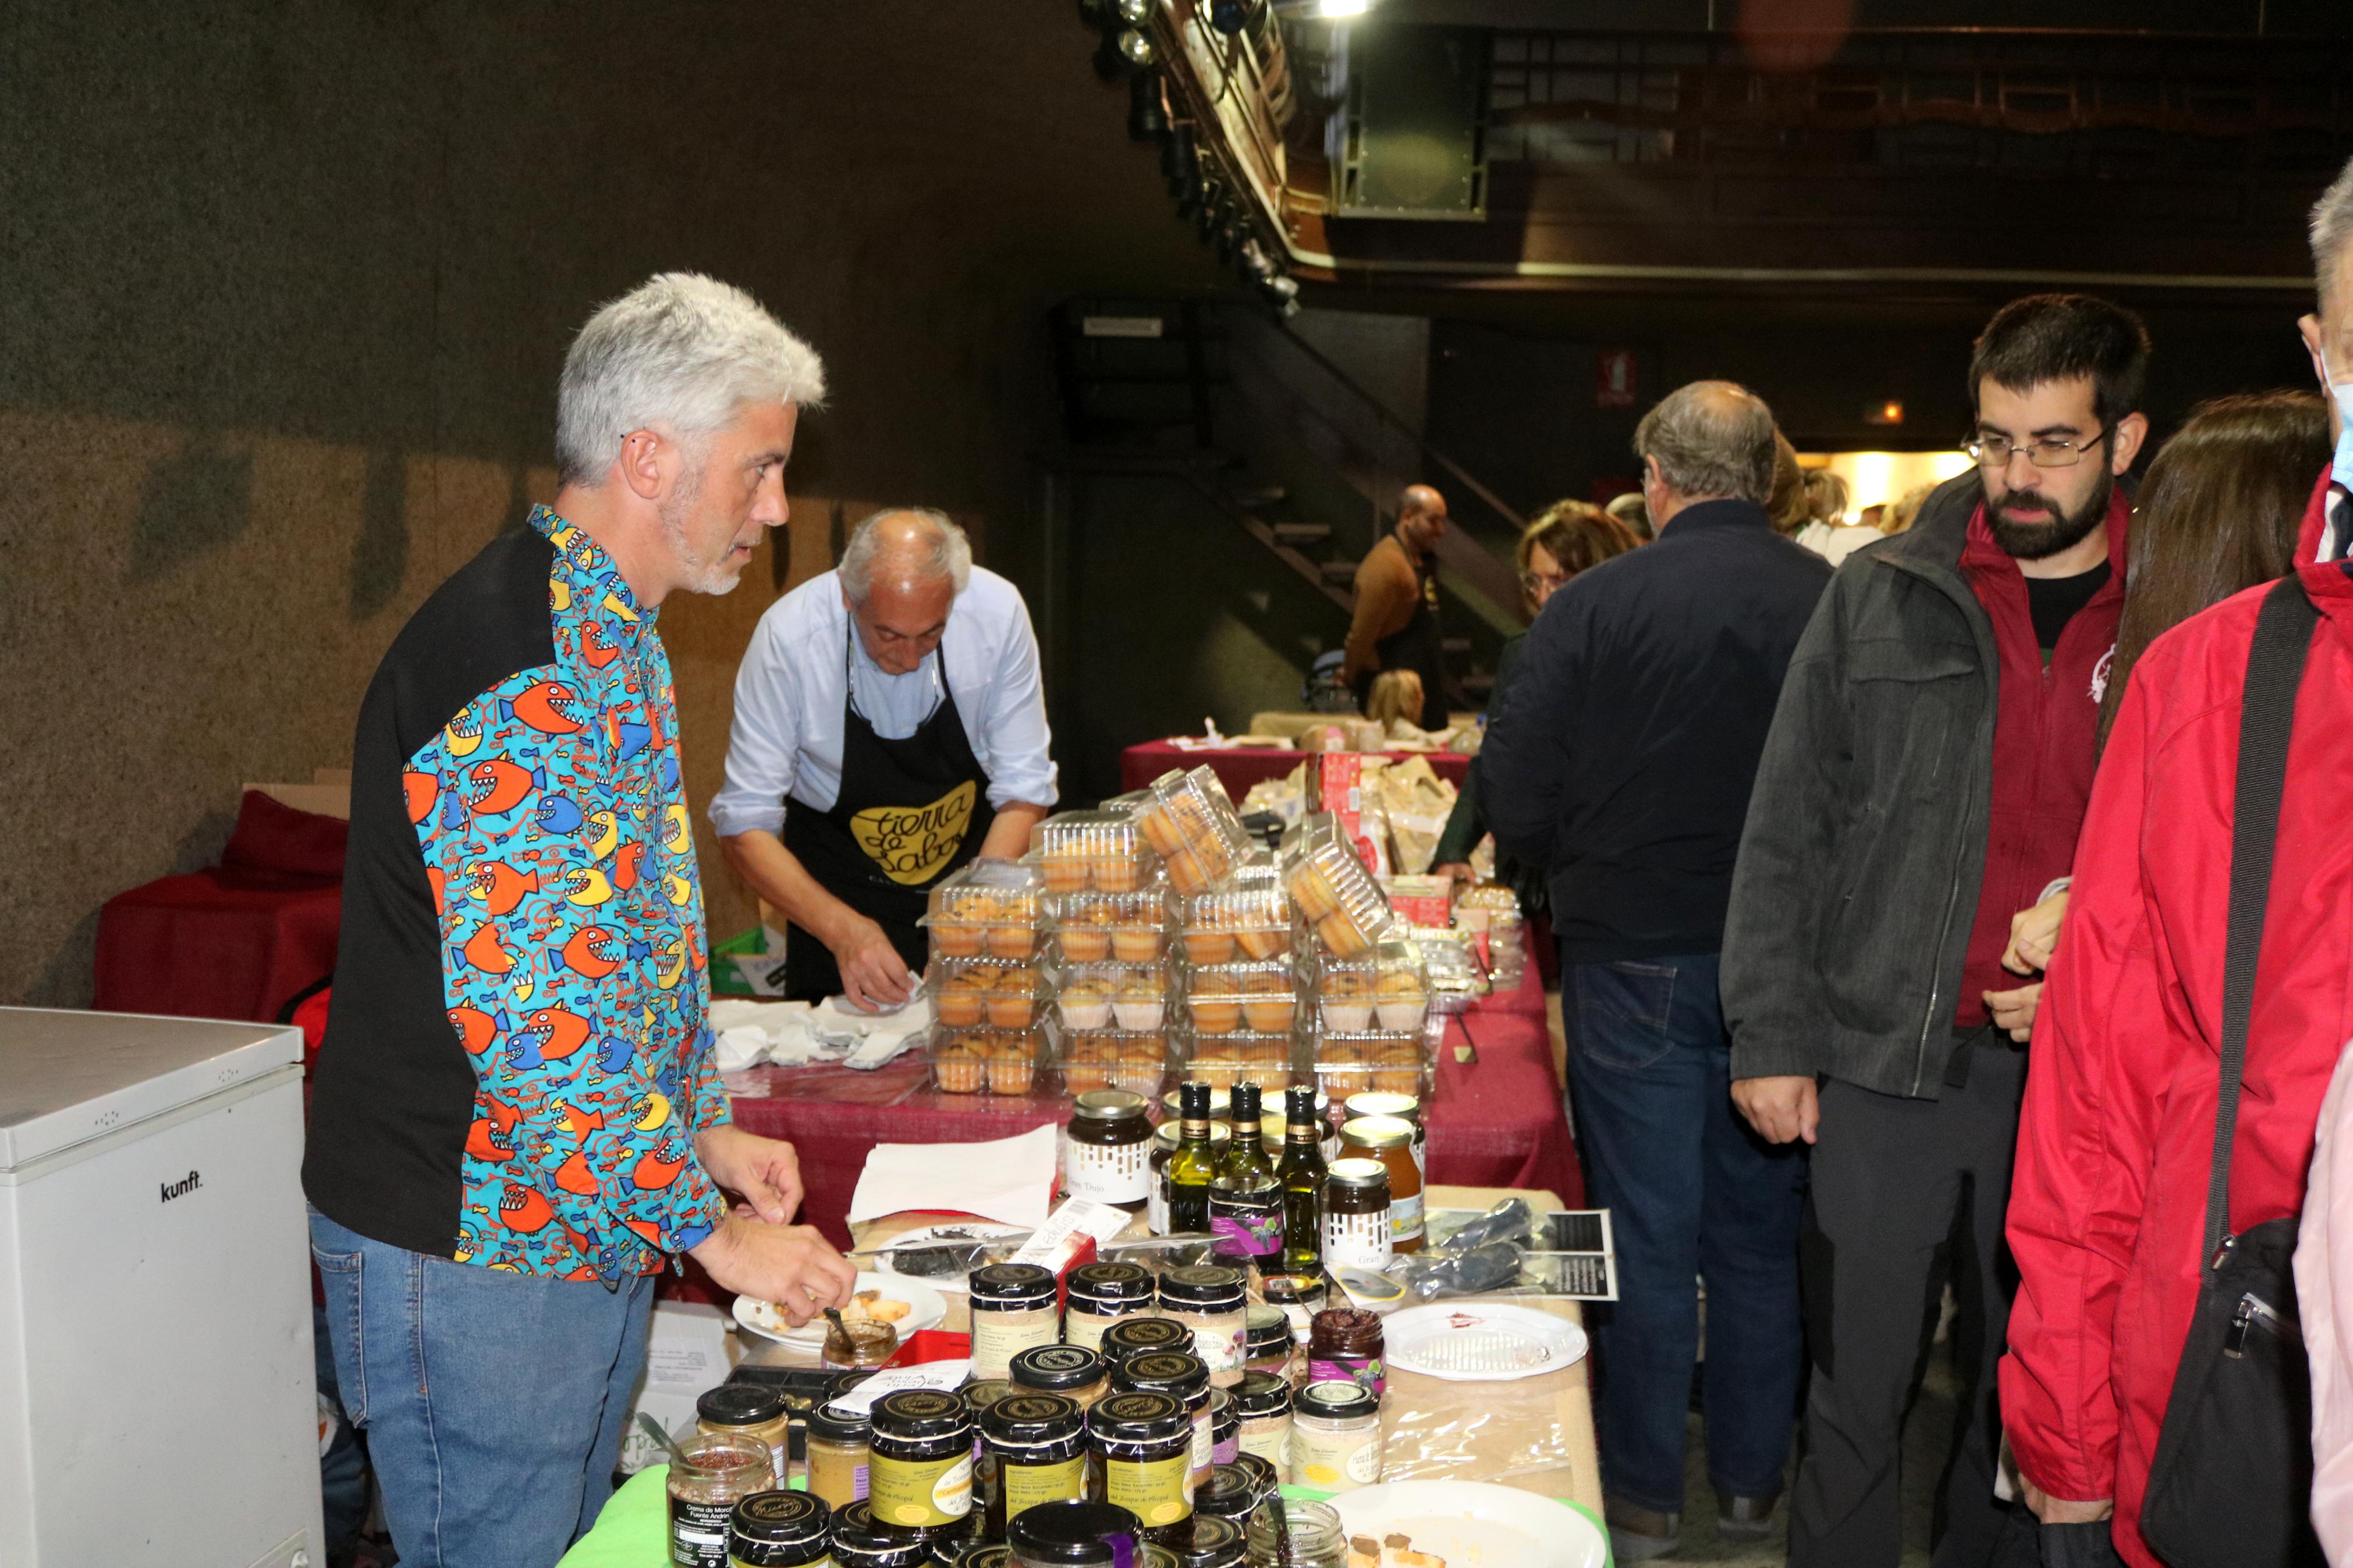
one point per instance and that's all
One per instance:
(1621, 758)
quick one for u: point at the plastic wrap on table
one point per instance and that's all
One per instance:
(1334, 894)
(1436, 1430)
(1511, 1220)
(1102, 850)
(1262, 997)
(1090, 927)
(1429, 1276)
(990, 1062)
(968, 992)
(1192, 824)
(989, 908)
(1384, 988)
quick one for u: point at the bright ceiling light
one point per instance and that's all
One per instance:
(1343, 7)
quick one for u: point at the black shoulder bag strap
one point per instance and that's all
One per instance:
(2231, 1485)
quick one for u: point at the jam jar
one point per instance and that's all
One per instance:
(1037, 1447)
(1102, 1294)
(1013, 1308)
(920, 1468)
(1184, 1378)
(1058, 1533)
(1075, 1374)
(1335, 1437)
(1356, 1215)
(1348, 1347)
(1391, 1140)
(1107, 1148)
(1213, 1301)
(1225, 1426)
(837, 1447)
(1140, 1336)
(1142, 1448)
(1263, 1401)
(753, 1410)
(780, 1529)
(718, 1471)
(860, 1542)
(1214, 1544)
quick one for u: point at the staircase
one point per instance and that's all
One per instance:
(1215, 398)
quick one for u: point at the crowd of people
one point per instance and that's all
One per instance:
(1911, 884)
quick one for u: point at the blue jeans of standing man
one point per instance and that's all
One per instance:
(1692, 1193)
(492, 1401)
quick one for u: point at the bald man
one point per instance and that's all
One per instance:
(890, 728)
(1394, 626)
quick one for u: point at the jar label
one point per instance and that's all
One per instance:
(1221, 1350)
(1156, 1207)
(1027, 1486)
(1085, 1330)
(1336, 1461)
(1245, 1231)
(998, 1337)
(1356, 1240)
(921, 1491)
(698, 1533)
(1227, 1452)
(1405, 1219)
(1108, 1172)
(1158, 1491)
(1205, 1441)
(1269, 1436)
(1365, 1371)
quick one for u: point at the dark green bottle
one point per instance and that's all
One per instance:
(1302, 1175)
(1194, 1165)
(1246, 1201)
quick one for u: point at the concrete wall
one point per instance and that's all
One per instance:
(286, 288)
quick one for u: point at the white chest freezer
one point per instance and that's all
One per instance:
(157, 1401)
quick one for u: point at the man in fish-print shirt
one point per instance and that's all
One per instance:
(517, 1123)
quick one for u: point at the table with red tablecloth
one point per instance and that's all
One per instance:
(1496, 1120)
(1238, 767)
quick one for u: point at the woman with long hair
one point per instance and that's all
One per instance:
(1567, 538)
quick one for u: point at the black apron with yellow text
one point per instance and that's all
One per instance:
(910, 812)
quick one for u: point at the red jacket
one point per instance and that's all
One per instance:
(2108, 1207)
(2046, 735)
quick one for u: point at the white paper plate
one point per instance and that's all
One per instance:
(1471, 1524)
(959, 1233)
(928, 1308)
(1481, 1342)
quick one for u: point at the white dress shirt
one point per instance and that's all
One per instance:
(787, 735)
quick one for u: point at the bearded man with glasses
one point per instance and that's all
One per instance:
(1924, 784)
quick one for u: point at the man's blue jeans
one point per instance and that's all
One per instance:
(1692, 1193)
(492, 1401)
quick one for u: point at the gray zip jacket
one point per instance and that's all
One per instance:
(1865, 843)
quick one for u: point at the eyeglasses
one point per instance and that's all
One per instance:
(1996, 451)
(1542, 582)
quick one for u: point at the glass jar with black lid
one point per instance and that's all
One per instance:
(838, 1458)
(920, 1464)
(1262, 1474)
(1213, 1543)
(1263, 1401)
(1102, 1294)
(1182, 1377)
(1231, 1492)
(1108, 1148)
(1225, 1426)
(1013, 1309)
(1071, 1371)
(1142, 1336)
(1142, 1445)
(860, 1542)
(1059, 1534)
(1213, 1301)
(779, 1530)
(1037, 1447)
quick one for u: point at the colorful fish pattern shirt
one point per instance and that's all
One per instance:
(542, 818)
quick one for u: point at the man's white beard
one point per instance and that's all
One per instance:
(701, 576)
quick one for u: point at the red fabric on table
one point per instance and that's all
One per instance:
(1238, 767)
(236, 941)
(1495, 1122)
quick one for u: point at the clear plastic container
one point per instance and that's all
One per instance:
(1385, 989)
(1092, 998)
(1102, 850)
(1251, 921)
(1222, 1060)
(990, 1061)
(1334, 894)
(1260, 997)
(1131, 1060)
(967, 992)
(1191, 824)
(990, 908)
(1126, 928)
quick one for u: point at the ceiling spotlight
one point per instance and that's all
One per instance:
(1147, 119)
(1343, 7)
(1230, 16)
(1281, 291)
(1135, 48)
(1134, 12)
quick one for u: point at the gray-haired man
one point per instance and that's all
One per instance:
(517, 1122)
(1620, 764)
(889, 726)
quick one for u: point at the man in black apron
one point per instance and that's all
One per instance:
(1394, 623)
(851, 878)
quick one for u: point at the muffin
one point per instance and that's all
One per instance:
(1012, 941)
(1140, 1000)
(1347, 1000)
(1341, 934)
(1397, 1080)
(1265, 941)
(1011, 1005)
(959, 1069)
(1086, 1003)
(1311, 891)
(1117, 873)
(1012, 1064)
(1160, 830)
(1217, 1005)
(958, 1004)
(1085, 938)
(1065, 867)
(1403, 1003)
(1204, 945)
(1136, 944)
(958, 938)
(1264, 1054)
(1185, 872)
(1269, 1001)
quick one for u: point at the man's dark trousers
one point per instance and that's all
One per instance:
(1901, 1186)
(1692, 1193)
